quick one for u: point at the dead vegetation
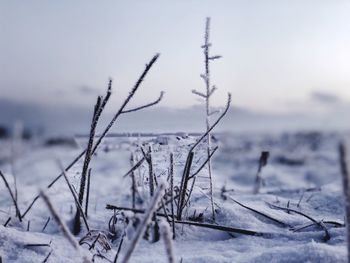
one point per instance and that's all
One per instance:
(165, 209)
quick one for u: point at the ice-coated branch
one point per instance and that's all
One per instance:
(228, 103)
(214, 57)
(146, 105)
(198, 93)
(214, 88)
(207, 94)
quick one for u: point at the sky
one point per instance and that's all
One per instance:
(278, 56)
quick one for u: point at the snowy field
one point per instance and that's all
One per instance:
(297, 216)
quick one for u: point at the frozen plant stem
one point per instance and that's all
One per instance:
(346, 188)
(75, 199)
(18, 213)
(87, 193)
(133, 182)
(208, 92)
(62, 226)
(172, 192)
(262, 162)
(143, 224)
(88, 155)
(168, 242)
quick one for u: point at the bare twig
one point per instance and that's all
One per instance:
(146, 105)
(203, 164)
(7, 221)
(12, 196)
(183, 185)
(88, 155)
(214, 124)
(262, 162)
(172, 193)
(46, 223)
(136, 211)
(133, 183)
(137, 165)
(76, 201)
(258, 212)
(119, 248)
(87, 193)
(223, 228)
(319, 223)
(47, 257)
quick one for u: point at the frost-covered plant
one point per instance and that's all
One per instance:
(209, 90)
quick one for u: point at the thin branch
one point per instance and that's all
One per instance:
(203, 164)
(88, 156)
(223, 228)
(76, 200)
(172, 193)
(214, 57)
(87, 193)
(119, 248)
(183, 185)
(258, 212)
(198, 93)
(137, 165)
(134, 210)
(212, 90)
(214, 124)
(146, 105)
(319, 223)
(12, 196)
(46, 223)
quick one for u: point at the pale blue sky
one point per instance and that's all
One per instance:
(275, 53)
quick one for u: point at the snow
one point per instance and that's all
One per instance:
(302, 171)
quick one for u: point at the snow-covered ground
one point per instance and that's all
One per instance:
(302, 173)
